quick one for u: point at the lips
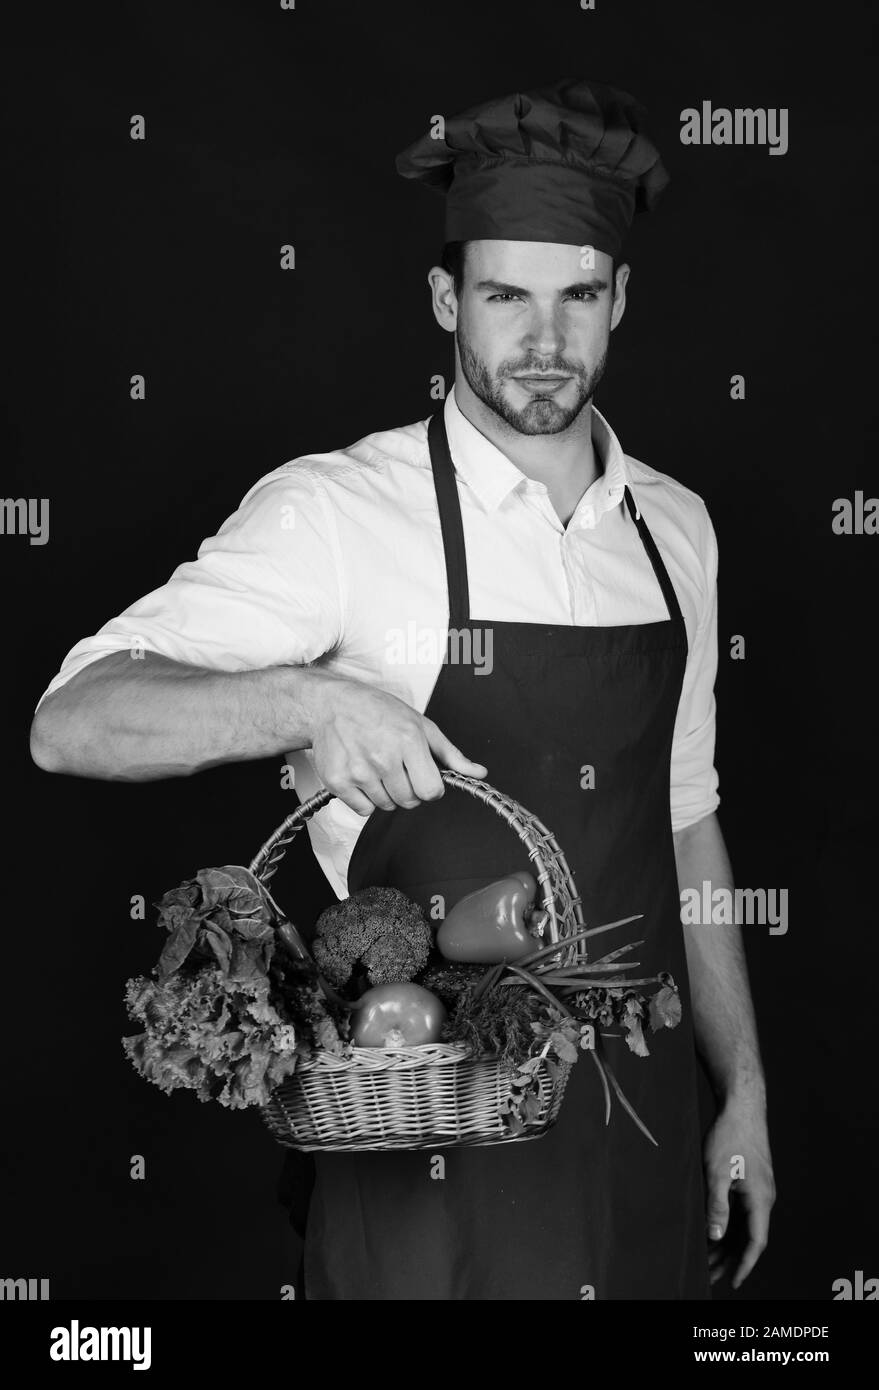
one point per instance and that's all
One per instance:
(544, 384)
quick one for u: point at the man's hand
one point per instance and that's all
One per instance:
(738, 1207)
(373, 750)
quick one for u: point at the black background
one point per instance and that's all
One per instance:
(267, 126)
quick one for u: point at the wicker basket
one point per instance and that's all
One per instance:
(435, 1095)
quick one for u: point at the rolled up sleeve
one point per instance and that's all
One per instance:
(694, 779)
(266, 590)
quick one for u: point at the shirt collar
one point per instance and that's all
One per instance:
(493, 476)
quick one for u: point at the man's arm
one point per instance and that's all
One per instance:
(726, 1036)
(139, 720)
(128, 719)
(726, 1030)
(267, 593)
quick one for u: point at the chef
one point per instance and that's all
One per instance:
(586, 581)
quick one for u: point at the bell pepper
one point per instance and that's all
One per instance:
(491, 924)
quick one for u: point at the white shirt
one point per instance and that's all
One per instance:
(341, 554)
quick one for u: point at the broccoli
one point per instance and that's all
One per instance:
(378, 933)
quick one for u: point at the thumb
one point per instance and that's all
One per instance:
(449, 755)
(717, 1205)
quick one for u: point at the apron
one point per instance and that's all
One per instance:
(588, 1210)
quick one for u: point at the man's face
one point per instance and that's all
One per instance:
(532, 330)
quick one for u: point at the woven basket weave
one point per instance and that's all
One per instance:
(437, 1094)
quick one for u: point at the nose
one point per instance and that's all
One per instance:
(545, 336)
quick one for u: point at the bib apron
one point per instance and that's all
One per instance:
(588, 1210)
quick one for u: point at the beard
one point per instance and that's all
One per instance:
(542, 414)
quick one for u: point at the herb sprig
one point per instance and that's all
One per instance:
(536, 1013)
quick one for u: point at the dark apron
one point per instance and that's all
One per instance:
(588, 1209)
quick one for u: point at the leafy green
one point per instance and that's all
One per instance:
(563, 1047)
(526, 1022)
(631, 1021)
(665, 1006)
(496, 1021)
(204, 1033)
(222, 1016)
(222, 915)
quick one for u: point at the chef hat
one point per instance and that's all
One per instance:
(564, 163)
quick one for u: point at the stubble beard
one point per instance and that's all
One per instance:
(543, 414)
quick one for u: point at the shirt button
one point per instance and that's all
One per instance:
(588, 517)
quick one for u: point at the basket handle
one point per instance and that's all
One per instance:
(266, 861)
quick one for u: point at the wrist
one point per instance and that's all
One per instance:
(313, 691)
(742, 1092)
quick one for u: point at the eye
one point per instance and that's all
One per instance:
(502, 297)
(584, 294)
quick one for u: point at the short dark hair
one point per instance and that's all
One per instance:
(454, 259)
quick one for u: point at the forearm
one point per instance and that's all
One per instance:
(723, 1013)
(139, 720)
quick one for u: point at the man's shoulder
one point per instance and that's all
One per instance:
(377, 453)
(355, 468)
(668, 496)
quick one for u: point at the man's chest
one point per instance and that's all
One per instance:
(519, 569)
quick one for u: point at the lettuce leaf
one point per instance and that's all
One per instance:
(213, 1021)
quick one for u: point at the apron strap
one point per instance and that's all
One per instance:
(656, 560)
(449, 504)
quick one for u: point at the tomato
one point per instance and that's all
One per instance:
(403, 1015)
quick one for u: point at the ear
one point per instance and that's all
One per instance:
(619, 297)
(443, 298)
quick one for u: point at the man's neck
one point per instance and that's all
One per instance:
(566, 463)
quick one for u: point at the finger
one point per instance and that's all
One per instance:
(720, 1272)
(717, 1205)
(378, 795)
(422, 770)
(753, 1250)
(366, 780)
(449, 755)
(398, 787)
(758, 1208)
(352, 797)
(718, 1258)
(718, 1252)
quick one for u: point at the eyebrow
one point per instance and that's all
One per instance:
(499, 287)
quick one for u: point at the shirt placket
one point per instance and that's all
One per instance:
(573, 546)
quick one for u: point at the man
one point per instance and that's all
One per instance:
(308, 626)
